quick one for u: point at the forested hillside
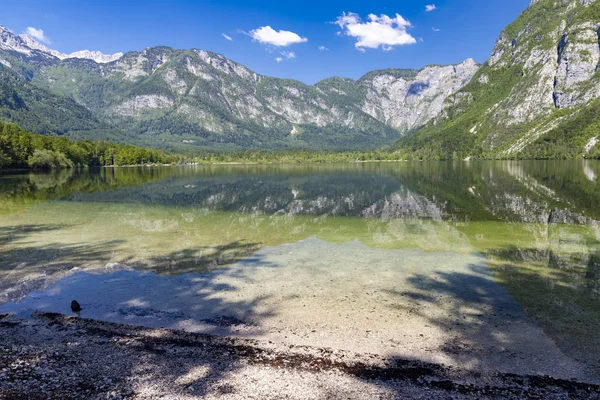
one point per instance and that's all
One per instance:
(22, 149)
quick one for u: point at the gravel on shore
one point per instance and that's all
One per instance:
(53, 356)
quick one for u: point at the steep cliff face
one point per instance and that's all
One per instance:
(406, 104)
(191, 98)
(541, 77)
(578, 59)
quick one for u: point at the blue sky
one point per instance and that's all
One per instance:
(307, 40)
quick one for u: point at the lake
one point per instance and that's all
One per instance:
(487, 266)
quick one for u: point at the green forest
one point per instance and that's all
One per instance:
(22, 149)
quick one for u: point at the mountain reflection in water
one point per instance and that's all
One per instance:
(535, 222)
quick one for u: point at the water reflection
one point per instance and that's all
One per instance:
(507, 191)
(536, 223)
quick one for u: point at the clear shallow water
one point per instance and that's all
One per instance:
(449, 261)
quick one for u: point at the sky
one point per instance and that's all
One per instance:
(308, 40)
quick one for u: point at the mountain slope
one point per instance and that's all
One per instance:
(197, 99)
(39, 110)
(535, 96)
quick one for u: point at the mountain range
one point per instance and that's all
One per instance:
(537, 96)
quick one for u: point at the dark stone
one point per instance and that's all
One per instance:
(75, 307)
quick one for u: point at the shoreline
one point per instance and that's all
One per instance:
(49, 354)
(308, 162)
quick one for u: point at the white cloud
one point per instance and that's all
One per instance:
(435, 29)
(382, 30)
(268, 35)
(430, 8)
(323, 48)
(227, 37)
(38, 34)
(287, 55)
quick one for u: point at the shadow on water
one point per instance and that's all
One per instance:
(26, 265)
(199, 259)
(481, 320)
(10, 234)
(34, 267)
(560, 290)
(192, 302)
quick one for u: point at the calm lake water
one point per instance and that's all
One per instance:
(495, 264)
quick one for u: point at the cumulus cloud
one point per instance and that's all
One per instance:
(285, 55)
(227, 37)
(38, 34)
(268, 35)
(323, 48)
(430, 8)
(379, 31)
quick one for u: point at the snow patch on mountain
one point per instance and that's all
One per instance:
(96, 56)
(25, 44)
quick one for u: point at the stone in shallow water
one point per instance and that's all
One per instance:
(75, 306)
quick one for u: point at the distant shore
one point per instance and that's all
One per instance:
(283, 162)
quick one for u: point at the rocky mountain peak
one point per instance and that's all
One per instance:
(25, 44)
(96, 56)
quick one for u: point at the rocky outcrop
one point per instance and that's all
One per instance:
(406, 104)
(559, 60)
(139, 104)
(578, 59)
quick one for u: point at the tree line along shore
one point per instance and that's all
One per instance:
(21, 149)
